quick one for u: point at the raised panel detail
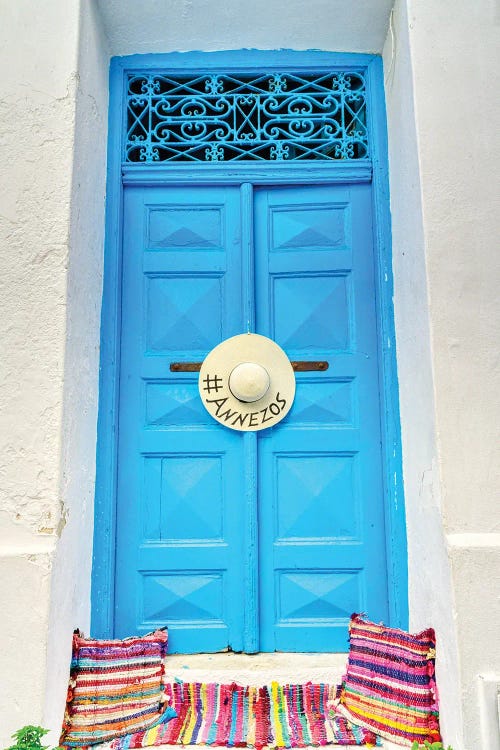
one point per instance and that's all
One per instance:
(183, 313)
(183, 498)
(309, 228)
(317, 596)
(173, 403)
(311, 312)
(186, 228)
(183, 598)
(316, 497)
(326, 402)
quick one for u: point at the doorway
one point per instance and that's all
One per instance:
(261, 541)
(183, 480)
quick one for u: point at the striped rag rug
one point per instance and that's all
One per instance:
(280, 716)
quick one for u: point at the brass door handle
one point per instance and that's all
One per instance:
(304, 365)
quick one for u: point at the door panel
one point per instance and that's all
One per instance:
(320, 489)
(179, 555)
(183, 479)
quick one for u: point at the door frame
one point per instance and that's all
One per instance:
(374, 170)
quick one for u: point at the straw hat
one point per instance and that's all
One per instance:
(247, 383)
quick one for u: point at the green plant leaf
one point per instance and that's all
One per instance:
(28, 738)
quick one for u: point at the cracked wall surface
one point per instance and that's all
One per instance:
(34, 226)
(53, 138)
(37, 122)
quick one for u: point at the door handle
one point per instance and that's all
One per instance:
(298, 366)
(304, 365)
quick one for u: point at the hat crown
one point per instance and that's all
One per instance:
(249, 382)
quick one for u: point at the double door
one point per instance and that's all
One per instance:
(249, 541)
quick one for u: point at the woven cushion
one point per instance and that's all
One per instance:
(116, 687)
(389, 686)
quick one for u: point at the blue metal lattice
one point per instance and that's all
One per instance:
(225, 117)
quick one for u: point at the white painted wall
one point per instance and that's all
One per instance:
(184, 25)
(51, 232)
(442, 65)
(53, 130)
(430, 588)
(70, 594)
(36, 134)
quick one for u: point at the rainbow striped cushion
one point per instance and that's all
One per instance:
(389, 686)
(115, 688)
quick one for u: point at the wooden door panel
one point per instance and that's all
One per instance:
(181, 479)
(320, 489)
(179, 558)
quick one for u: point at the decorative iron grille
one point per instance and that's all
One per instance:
(225, 117)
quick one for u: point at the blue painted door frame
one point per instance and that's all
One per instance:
(104, 596)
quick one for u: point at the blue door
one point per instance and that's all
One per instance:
(321, 538)
(194, 263)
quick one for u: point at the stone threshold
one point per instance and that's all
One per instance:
(256, 669)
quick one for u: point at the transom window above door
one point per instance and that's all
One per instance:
(276, 116)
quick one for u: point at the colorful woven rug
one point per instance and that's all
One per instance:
(283, 716)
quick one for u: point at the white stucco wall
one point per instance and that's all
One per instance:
(37, 122)
(430, 589)
(70, 588)
(51, 232)
(441, 65)
(337, 25)
(52, 180)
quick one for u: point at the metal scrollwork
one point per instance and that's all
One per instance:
(223, 117)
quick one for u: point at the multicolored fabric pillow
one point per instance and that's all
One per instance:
(389, 686)
(115, 688)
